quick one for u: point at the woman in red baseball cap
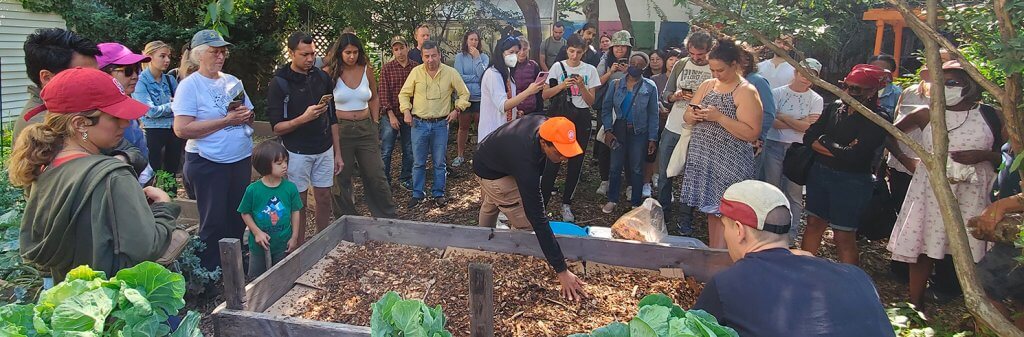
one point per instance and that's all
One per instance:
(839, 184)
(85, 208)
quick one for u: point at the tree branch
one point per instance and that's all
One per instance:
(846, 98)
(929, 32)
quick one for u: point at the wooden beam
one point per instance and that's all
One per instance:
(269, 287)
(237, 323)
(897, 29)
(879, 36)
(234, 275)
(699, 263)
(481, 300)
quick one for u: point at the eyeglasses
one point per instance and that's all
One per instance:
(854, 90)
(219, 51)
(129, 69)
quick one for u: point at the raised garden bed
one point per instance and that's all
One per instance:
(356, 268)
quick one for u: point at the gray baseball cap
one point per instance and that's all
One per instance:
(208, 37)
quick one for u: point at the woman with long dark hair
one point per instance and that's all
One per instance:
(470, 63)
(498, 89)
(358, 110)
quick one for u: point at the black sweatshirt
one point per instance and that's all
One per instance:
(837, 130)
(303, 90)
(514, 150)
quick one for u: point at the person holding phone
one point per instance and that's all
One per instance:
(499, 91)
(581, 80)
(301, 111)
(218, 146)
(725, 122)
(612, 67)
(528, 71)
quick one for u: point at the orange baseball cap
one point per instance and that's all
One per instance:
(561, 132)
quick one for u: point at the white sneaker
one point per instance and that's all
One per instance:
(647, 190)
(608, 208)
(629, 192)
(603, 189)
(654, 180)
(567, 214)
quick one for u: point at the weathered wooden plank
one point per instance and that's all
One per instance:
(697, 262)
(234, 275)
(266, 289)
(189, 209)
(236, 323)
(481, 300)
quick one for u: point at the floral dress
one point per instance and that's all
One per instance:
(919, 226)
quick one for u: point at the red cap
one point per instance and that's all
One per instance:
(561, 132)
(868, 76)
(84, 89)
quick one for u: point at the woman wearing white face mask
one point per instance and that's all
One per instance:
(974, 139)
(498, 97)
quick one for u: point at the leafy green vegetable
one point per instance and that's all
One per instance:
(660, 317)
(136, 302)
(394, 317)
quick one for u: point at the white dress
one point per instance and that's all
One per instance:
(919, 227)
(492, 99)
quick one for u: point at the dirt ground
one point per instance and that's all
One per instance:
(463, 206)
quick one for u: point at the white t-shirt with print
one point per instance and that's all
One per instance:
(777, 76)
(588, 72)
(690, 78)
(797, 105)
(207, 99)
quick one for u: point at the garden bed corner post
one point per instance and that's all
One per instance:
(234, 275)
(481, 300)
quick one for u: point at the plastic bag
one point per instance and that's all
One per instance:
(645, 223)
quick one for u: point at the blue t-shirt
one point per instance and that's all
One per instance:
(627, 106)
(764, 90)
(207, 99)
(775, 293)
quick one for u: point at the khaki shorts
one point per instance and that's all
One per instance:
(502, 195)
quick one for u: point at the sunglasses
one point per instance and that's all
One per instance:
(855, 90)
(129, 69)
(954, 83)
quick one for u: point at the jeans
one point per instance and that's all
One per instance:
(429, 139)
(574, 167)
(388, 136)
(630, 155)
(774, 153)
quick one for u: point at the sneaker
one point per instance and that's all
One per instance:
(567, 214)
(440, 201)
(603, 189)
(629, 192)
(406, 185)
(413, 202)
(647, 190)
(655, 179)
(608, 208)
(458, 161)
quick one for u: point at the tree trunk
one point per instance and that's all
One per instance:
(627, 22)
(592, 10)
(531, 14)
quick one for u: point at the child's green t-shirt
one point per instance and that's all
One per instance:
(271, 208)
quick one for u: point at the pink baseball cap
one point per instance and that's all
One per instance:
(85, 89)
(116, 53)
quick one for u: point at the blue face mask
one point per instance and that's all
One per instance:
(634, 71)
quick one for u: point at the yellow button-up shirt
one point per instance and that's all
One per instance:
(433, 95)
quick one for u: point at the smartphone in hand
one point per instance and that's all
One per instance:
(696, 107)
(541, 77)
(326, 99)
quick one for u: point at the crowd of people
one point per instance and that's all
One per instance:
(707, 127)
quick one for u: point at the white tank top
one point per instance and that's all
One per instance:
(348, 99)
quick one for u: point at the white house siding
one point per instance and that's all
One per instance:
(16, 23)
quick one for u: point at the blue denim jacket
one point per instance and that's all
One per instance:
(472, 72)
(158, 97)
(889, 97)
(644, 115)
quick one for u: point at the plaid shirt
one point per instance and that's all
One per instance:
(392, 77)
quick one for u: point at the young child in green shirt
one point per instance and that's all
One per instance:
(270, 208)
